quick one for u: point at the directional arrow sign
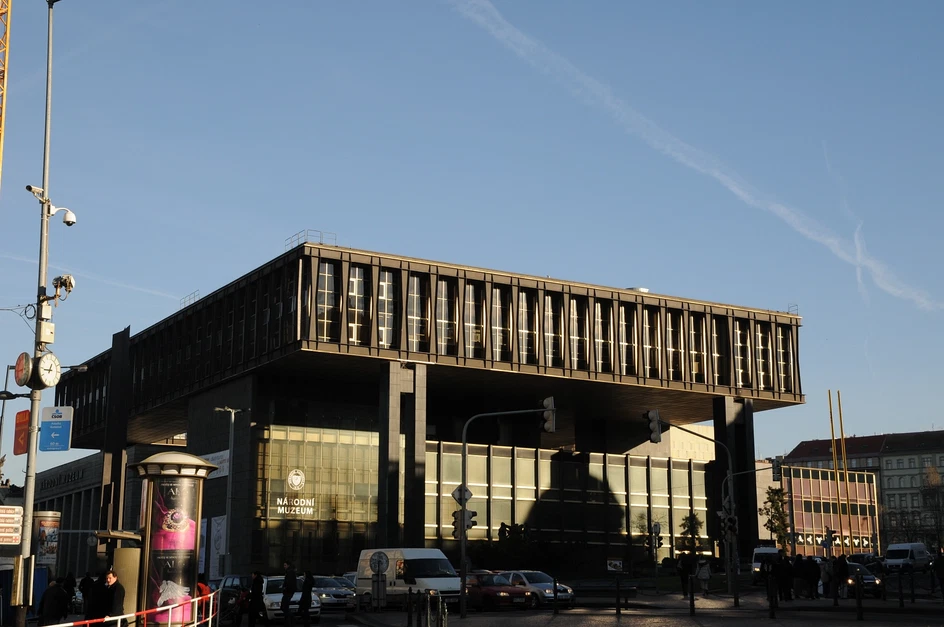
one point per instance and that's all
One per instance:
(21, 435)
(462, 494)
(55, 433)
(6, 538)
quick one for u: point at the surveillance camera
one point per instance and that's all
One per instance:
(66, 282)
(69, 218)
(34, 190)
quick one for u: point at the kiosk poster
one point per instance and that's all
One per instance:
(172, 547)
(47, 547)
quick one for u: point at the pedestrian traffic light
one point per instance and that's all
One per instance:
(659, 545)
(655, 426)
(550, 415)
(775, 468)
(470, 518)
(457, 524)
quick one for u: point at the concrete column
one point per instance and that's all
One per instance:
(414, 465)
(388, 468)
(734, 425)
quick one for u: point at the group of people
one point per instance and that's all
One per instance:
(802, 576)
(103, 598)
(255, 601)
(688, 566)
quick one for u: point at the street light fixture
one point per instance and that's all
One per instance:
(229, 488)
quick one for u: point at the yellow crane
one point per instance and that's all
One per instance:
(4, 57)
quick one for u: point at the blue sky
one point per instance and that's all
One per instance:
(760, 155)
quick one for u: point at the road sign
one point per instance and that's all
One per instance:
(462, 494)
(379, 562)
(10, 519)
(9, 538)
(21, 434)
(614, 565)
(55, 432)
(11, 510)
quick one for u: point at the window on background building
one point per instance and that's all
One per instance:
(417, 313)
(762, 353)
(914, 482)
(742, 353)
(579, 333)
(388, 309)
(698, 346)
(853, 463)
(720, 351)
(903, 501)
(527, 326)
(447, 316)
(674, 348)
(819, 464)
(829, 464)
(652, 342)
(926, 462)
(628, 339)
(912, 463)
(914, 501)
(899, 463)
(891, 483)
(473, 319)
(868, 462)
(891, 500)
(328, 302)
(501, 323)
(901, 482)
(603, 335)
(553, 329)
(358, 306)
(785, 357)
(940, 460)
(888, 464)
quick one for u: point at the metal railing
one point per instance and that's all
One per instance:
(193, 613)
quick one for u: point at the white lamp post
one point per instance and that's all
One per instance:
(229, 489)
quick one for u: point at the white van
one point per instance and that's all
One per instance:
(419, 569)
(907, 556)
(762, 554)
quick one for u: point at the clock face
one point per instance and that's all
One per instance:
(24, 369)
(49, 370)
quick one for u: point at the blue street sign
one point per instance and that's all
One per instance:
(55, 429)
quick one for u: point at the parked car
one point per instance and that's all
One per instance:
(351, 576)
(541, 586)
(907, 556)
(871, 584)
(234, 589)
(486, 591)
(332, 593)
(234, 595)
(346, 583)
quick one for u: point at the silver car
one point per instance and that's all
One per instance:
(332, 593)
(272, 597)
(541, 586)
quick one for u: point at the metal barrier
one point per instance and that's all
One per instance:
(202, 611)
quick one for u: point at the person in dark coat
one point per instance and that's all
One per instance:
(69, 585)
(115, 597)
(842, 575)
(54, 604)
(289, 586)
(98, 601)
(684, 568)
(304, 604)
(257, 600)
(85, 587)
(812, 576)
(783, 571)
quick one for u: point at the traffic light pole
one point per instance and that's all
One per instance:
(463, 531)
(730, 564)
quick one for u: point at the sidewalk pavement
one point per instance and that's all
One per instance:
(752, 602)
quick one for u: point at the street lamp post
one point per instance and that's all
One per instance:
(229, 488)
(44, 327)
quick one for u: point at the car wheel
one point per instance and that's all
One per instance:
(534, 603)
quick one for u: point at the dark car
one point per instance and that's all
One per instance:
(871, 584)
(492, 592)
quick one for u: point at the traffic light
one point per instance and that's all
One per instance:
(830, 536)
(655, 426)
(457, 524)
(775, 468)
(731, 525)
(550, 415)
(659, 544)
(470, 518)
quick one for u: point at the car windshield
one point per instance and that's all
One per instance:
(326, 582)
(274, 586)
(493, 580)
(897, 554)
(536, 576)
(435, 567)
(345, 582)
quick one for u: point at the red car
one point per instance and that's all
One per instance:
(493, 592)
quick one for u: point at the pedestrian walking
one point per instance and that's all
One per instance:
(115, 598)
(53, 606)
(289, 586)
(304, 603)
(257, 606)
(703, 574)
(684, 568)
(812, 577)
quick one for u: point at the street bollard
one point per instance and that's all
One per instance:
(901, 593)
(409, 607)
(858, 592)
(429, 608)
(444, 609)
(912, 587)
(619, 605)
(557, 610)
(691, 595)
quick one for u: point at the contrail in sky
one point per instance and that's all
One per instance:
(97, 279)
(598, 94)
